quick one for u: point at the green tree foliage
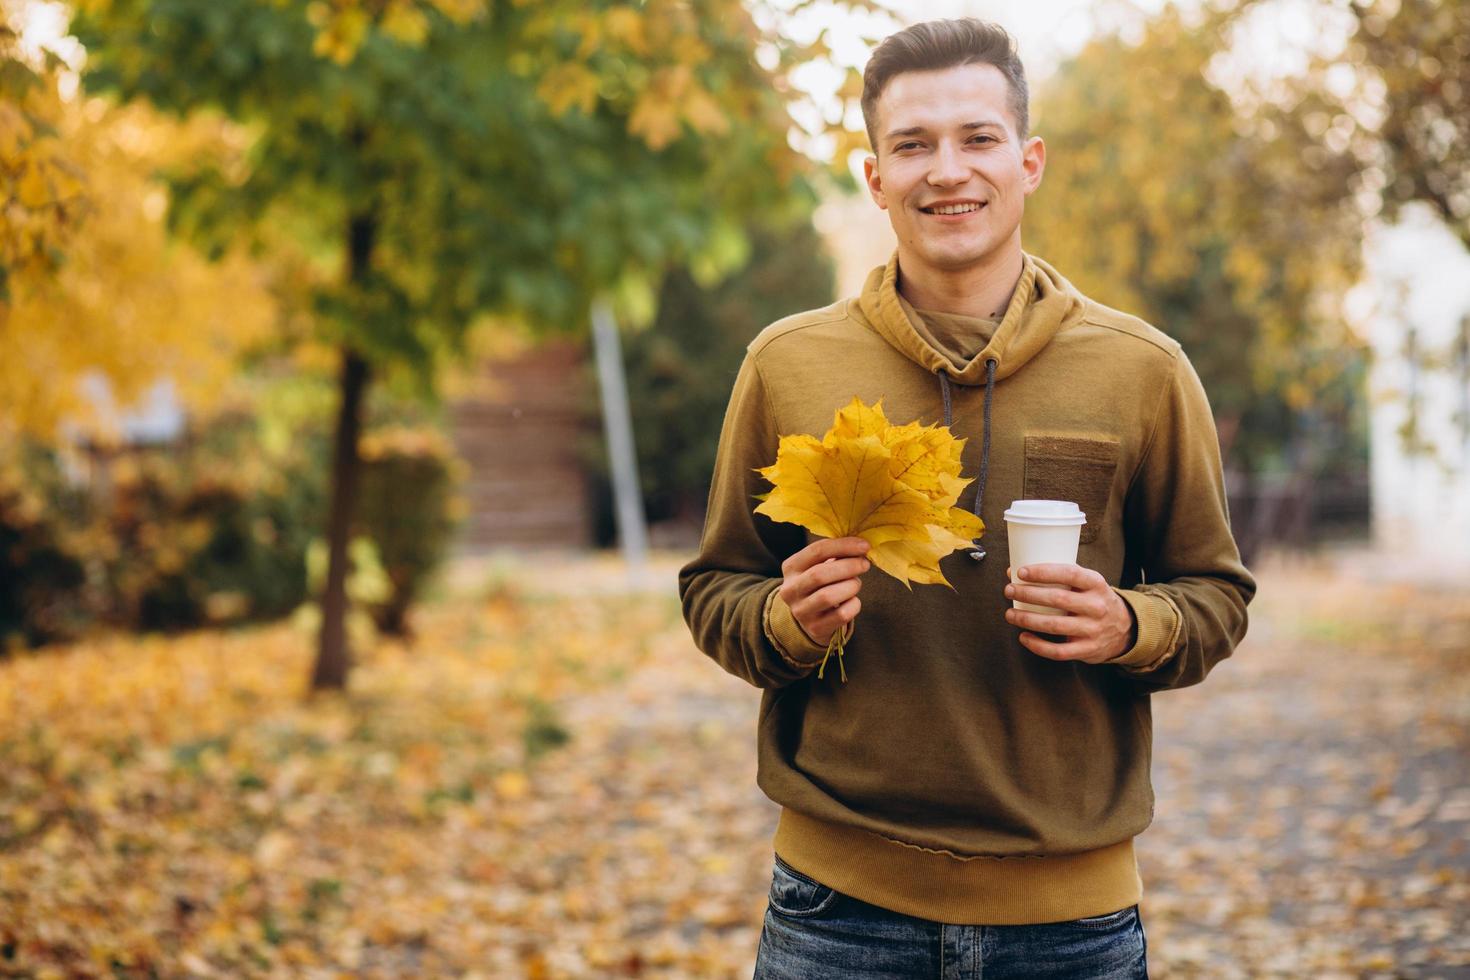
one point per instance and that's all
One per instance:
(443, 160)
(1230, 231)
(476, 175)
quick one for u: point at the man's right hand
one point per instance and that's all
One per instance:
(820, 585)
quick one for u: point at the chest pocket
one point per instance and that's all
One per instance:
(1073, 468)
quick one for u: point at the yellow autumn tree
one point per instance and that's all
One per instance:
(1412, 64)
(1219, 219)
(41, 195)
(95, 288)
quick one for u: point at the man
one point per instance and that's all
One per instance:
(968, 800)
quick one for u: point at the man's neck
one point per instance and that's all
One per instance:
(984, 292)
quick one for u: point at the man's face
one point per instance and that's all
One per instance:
(951, 170)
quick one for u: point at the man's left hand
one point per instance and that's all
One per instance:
(1099, 626)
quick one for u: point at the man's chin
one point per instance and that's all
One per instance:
(959, 259)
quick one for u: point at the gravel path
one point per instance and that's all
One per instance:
(1312, 816)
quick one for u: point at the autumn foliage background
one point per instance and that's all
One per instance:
(259, 716)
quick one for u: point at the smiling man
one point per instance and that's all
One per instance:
(966, 803)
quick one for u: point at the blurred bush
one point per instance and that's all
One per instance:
(408, 508)
(213, 529)
(154, 537)
(197, 537)
(40, 572)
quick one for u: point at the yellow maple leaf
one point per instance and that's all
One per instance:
(32, 188)
(893, 485)
(567, 86)
(703, 113)
(655, 119)
(626, 26)
(405, 22)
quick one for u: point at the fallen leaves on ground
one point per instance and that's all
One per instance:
(171, 806)
(1313, 814)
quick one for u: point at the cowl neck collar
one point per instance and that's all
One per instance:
(1042, 304)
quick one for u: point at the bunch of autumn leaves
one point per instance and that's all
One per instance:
(896, 486)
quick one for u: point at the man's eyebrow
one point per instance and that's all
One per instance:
(920, 130)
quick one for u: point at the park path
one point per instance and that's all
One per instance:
(1312, 816)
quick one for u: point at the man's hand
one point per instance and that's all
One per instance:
(1099, 626)
(820, 584)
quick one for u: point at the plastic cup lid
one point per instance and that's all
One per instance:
(1050, 512)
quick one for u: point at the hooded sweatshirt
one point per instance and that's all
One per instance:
(956, 776)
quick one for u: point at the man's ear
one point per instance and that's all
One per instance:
(1033, 162)
(875, 182)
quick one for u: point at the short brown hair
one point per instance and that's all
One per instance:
(938, 44)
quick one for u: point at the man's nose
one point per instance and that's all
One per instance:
(948, 167)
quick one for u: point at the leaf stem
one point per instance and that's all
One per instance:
(836, 643)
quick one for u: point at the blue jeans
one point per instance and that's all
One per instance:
(812, 931)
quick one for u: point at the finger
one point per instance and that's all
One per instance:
(822, 549)
(835, 619)
(1057, 573)
(829, 571)
(1091, 603)
(831, 597)
(1077, 603)
(1073, 650)
(1074, 626)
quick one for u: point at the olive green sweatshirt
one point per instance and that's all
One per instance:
(957, 776)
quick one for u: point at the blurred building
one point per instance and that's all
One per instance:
(1419, 326)
(523, 439)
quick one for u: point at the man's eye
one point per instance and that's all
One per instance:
(982, 138)
(909, 145)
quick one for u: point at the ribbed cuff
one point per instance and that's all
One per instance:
(1158, 631)
(787, 636)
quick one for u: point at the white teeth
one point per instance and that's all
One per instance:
(954, 209)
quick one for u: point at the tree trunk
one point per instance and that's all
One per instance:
(333, 655)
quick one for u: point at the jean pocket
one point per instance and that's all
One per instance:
(796, 895)
(1110, 921)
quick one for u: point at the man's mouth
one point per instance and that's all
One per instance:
(964, 208)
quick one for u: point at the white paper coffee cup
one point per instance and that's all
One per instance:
(1040, 532)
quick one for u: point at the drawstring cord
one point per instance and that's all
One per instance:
(978, 551)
